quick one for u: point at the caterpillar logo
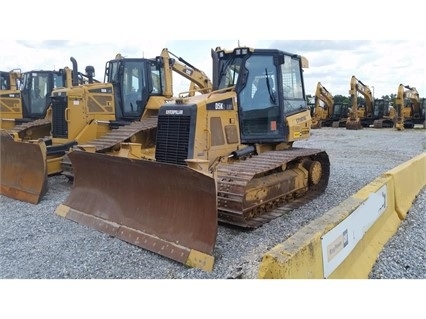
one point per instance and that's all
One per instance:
(361, 88)
(174, 112)
(188, 71)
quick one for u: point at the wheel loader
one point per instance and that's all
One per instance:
(123, 107)
(223, 157)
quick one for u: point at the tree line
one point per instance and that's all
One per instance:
(361, 100)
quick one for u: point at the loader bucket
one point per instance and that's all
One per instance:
(167, 209)
(23, 172)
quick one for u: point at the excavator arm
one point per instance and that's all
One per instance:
(14, 76)
(413, 95)
(356, 86)
(324, 95)
(325, 112)
(199, 81)
(405, 118)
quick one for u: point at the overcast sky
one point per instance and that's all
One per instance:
(374, 45)
(380, 64)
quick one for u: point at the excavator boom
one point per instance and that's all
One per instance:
(322, 113)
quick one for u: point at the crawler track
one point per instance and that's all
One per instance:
(280, 193)
(32, 130)
(123, 133)
(116, 136)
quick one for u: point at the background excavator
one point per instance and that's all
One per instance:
(360, 116)
(226, 156)
(387, 113)
(409, 110)
(123, 107)
(339, 116)
(322, 113)
(374, 113)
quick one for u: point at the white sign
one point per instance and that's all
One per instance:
(338, 243)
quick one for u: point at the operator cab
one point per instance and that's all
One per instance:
(134, 81)
(36, 90)
(269, 86)
(4, 81)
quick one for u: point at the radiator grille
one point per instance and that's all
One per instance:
(173, 139)
(59, 125)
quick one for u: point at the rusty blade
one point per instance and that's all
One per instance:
(23, 172)
(168, 209)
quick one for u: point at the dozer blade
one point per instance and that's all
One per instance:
(167, 209)
(23, 169)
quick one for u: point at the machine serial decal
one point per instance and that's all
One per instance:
(220, 105)
(301, 119)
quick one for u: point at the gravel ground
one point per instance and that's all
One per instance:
(36, 243)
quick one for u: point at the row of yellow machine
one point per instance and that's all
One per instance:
(162, 171)
(406, 111)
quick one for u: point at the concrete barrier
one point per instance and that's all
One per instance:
(409, 179)
(346, 240)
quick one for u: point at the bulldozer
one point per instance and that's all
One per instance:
(224, 157)
(123, 107)
(322, 113)
(137, 100)
(408, 108)
(10, 98)
(24, 138)
(25, 104)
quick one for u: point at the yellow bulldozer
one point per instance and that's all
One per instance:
(25, 100)
(26, 127)
(10, 98)
(123, 107)
(222, 157)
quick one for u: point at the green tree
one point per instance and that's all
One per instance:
(341, 99)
